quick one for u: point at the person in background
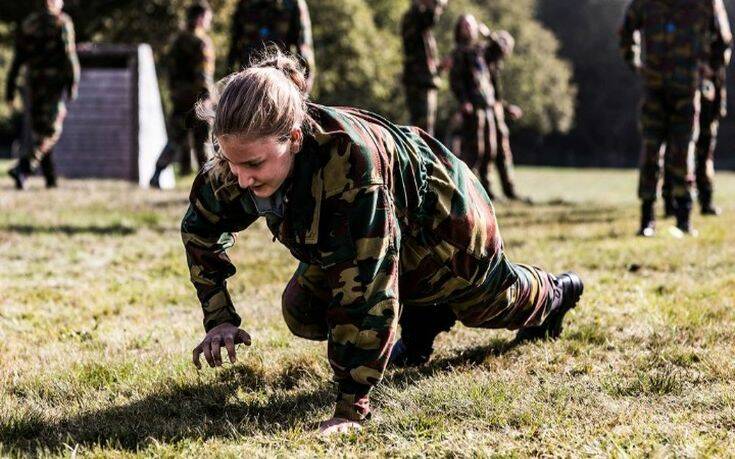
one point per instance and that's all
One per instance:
(45, 46)
(474, 53)
(257, 24)
(421, 66)
(191, 61)
(674, 46)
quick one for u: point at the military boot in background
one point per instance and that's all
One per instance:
(683, 216)
(648, 220)
(48, 169)
(706, 206)
(20, 172)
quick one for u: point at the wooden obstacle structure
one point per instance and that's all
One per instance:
(116, 128)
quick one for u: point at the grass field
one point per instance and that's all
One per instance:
(98, 319)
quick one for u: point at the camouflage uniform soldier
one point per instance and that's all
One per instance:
(45, 45)
(504, 156)
(191, 71)
(682, 39)
(259, 23)
(471, 84)
(714, 108)
(381, 217)
(420, 65)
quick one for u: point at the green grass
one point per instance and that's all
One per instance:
(98, 319)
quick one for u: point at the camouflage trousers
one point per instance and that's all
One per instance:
(504, 156)
(516, 296)
(704, 167)
(45, 113)
(185, 133)
(422, 102)
(479, 145)
(669, 123)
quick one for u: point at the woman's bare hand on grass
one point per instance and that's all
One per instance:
(226, 335)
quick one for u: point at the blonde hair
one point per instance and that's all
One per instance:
(267, 99)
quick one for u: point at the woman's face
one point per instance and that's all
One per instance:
(261, 165)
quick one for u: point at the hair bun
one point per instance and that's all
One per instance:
(289, 65)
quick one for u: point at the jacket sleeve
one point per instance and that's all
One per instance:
(20, 56)
(301, 32)
(458, 79)
(629, 34)
(72, 64)
(722, 37)
(363, 315)
(206, 231)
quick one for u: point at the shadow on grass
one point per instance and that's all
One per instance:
(208, 409)
(70, 230)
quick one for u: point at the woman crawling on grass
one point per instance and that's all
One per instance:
(388, 226)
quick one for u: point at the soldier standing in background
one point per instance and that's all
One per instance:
(504, 156)
(681, 40)
(45, 45)
(471, 84)
(191, 72)
(259, 23)
(421, 67)
(714, 108)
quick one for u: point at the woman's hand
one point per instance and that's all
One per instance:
(223, 334)
(339, 426)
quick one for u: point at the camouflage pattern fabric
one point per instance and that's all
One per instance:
(504, 155)
(45, 45)
(713, 109)
(683, 40)
(191, 62)
(379, 216)
(471, 82)
(258, 23)
(422, 103)
(420, 64)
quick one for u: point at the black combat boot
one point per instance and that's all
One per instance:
(669, 207)
(18, 177)
(648, 221)
(683, 216)
(20, 172)
(49, 170)
(156, 179)
(567, 291)
(706, 206)
(420, 325)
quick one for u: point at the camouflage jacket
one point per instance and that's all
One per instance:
(420, 63)
(257, 23)
(470, 77)
(387, 212)
(679, 39)
(191, 61)
(45, 44)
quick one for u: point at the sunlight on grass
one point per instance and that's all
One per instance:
(98, 319)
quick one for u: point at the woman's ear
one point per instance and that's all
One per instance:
(297, 140)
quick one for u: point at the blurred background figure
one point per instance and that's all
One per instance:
(682, 44)
(474, 52)
(45, 47)
(258, 23)
(191, 62)
(713, 109)
(504, 156)
(421, 66)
